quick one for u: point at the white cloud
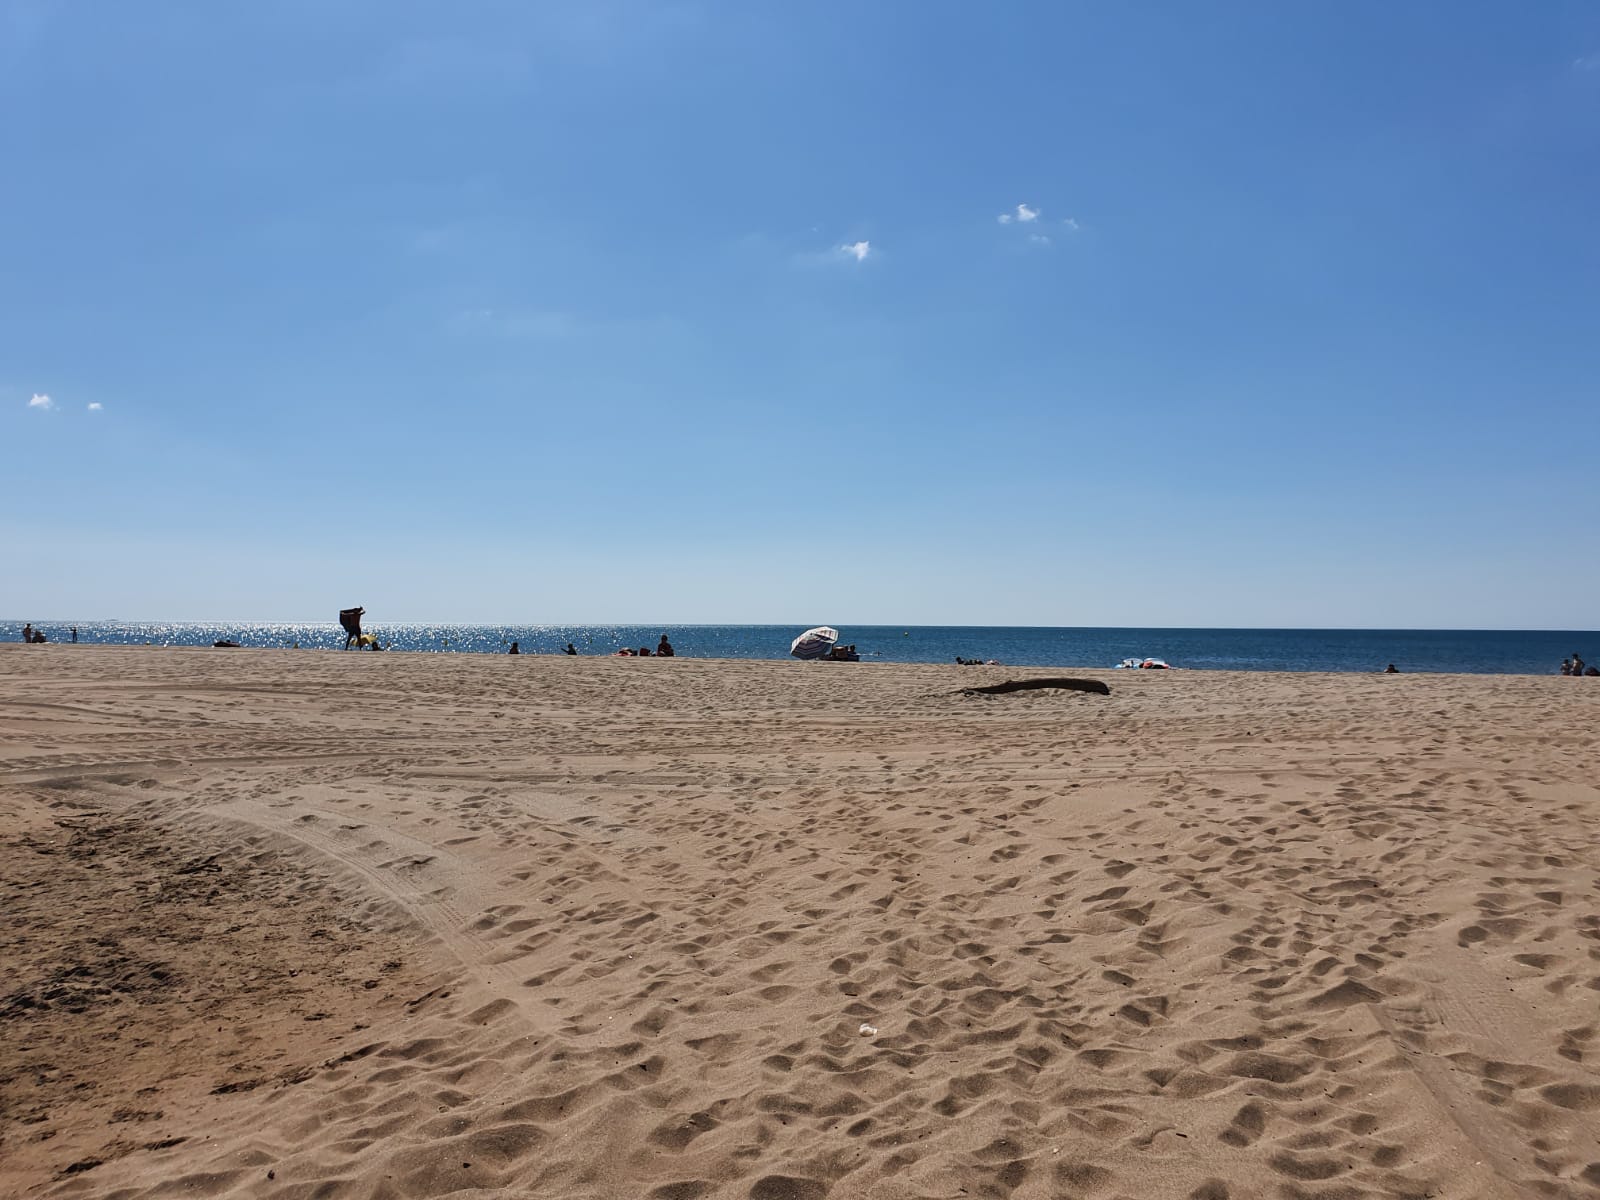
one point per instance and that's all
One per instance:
(1027, 214)
(856, 250)
(41, 401)
(95, 406)
(1590, 62)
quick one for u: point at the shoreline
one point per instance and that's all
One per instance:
(1110, 673)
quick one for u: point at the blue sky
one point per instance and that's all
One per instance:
(1171, 314)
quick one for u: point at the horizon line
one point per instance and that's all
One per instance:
(802, 625)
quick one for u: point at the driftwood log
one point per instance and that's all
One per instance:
(1029, 685)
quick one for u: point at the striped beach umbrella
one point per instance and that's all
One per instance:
(814, 643)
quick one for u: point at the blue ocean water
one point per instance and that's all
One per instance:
(1467, 651)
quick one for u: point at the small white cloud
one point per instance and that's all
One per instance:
(1589, 62)
(95, 406)
(42, 402)
(1039, 239)
(856, 250)
(1022, 213)
(1071, 225)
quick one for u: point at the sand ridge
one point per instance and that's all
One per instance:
(1211, 935)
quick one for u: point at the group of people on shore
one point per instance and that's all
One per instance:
(1574, 666)
(36, 637)
(663, 650)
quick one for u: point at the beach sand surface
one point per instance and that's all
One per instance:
(322, 925)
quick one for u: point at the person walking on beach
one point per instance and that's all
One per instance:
(350, 618)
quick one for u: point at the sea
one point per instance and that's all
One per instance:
(1481, 652)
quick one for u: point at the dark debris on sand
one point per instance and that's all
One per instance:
(1093, 686)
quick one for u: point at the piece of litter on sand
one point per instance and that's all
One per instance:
(868, 1030)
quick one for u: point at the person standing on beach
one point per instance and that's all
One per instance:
(1577, 664)
(74, 635)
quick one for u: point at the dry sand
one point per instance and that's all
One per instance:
(285, 924)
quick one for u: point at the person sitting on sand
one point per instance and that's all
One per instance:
(1566, 666)
(515, 649)
(664, 648)
(1593, 671)
(571, 649)
(644, 651)
(624, 653)
(1391, 669)
(27, 633)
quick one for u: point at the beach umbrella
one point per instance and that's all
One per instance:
(814, 643)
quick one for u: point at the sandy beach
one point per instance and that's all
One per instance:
(310, 924)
